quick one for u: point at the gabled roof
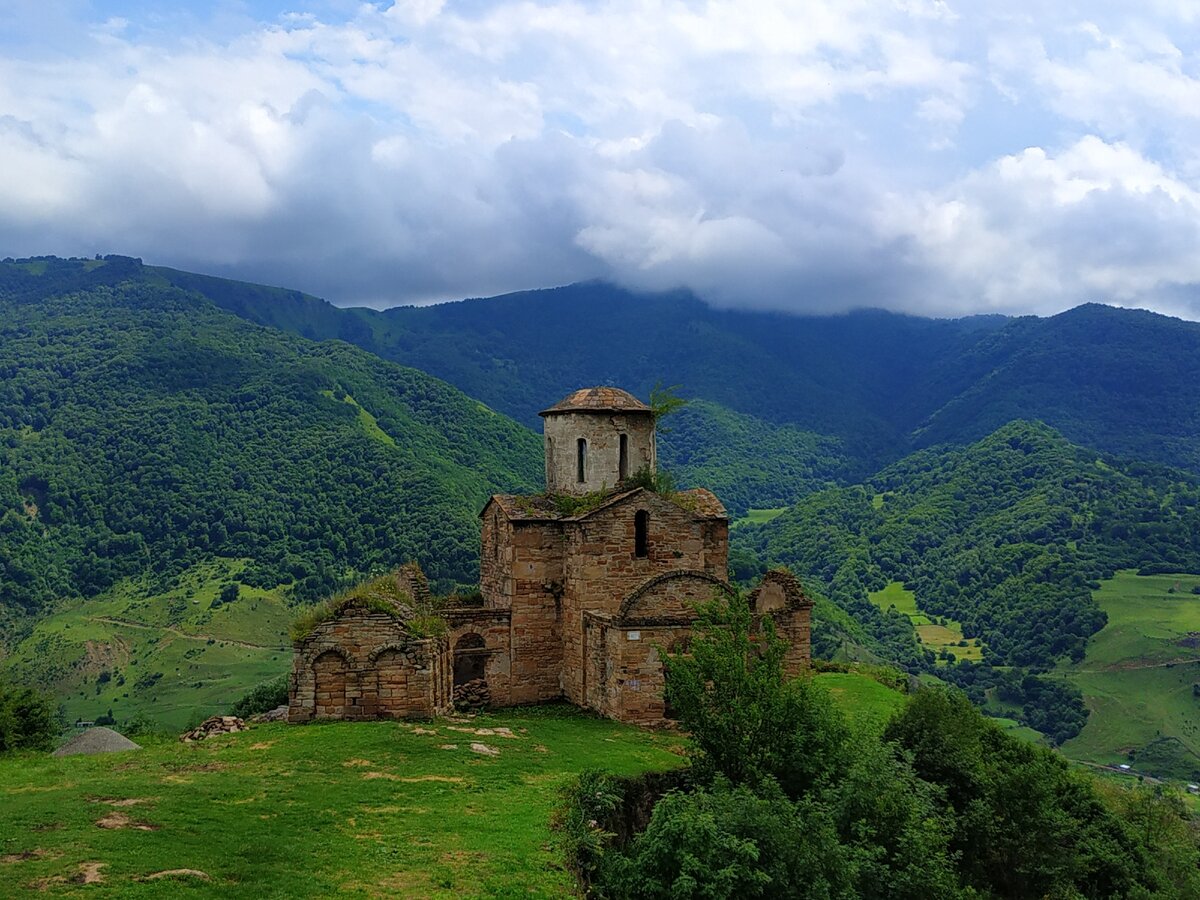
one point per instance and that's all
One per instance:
(598, 399)
(701, 503)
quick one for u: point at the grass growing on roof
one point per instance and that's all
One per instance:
(380, 594)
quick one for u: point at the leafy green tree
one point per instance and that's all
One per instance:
(27, 719)
(746, 721)
(729, 841)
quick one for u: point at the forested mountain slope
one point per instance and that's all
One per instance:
(144, 429)
(1004, 535)
(1119, 381)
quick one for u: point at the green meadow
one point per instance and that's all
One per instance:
(173, 657)
(361, 809)
(944, 634)
(758, 516)
(1139, 677)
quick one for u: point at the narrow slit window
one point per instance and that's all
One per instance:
(623, 462)
(641, 533)
(581, 460)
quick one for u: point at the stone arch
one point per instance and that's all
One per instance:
(331, 673)
(653, 586)
(394, 647)
(470, 658)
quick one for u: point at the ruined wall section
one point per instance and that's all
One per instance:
(496, 559)
(537, 576)
(494, 627)
(601, 567)
(364, 665)
(602, 432)
(781, 596)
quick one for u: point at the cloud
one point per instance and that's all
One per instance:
(802, 154)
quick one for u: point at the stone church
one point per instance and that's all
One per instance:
(581, 587)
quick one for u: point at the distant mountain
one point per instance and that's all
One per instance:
(1119, 381)
(143, 429)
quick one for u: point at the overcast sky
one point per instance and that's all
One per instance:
(936, 157)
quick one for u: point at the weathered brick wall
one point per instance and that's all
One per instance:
(494, 627)
(495, 559)
(795, 626)
(364, 665)
(537, 660)
(602, 432)
(601, 568)
(634, 690)
(672, 596)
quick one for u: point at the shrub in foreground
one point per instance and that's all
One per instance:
(27, 720)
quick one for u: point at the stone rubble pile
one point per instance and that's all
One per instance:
(214, 725)
(472, 694)
(278, 714)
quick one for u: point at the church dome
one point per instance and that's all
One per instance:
(598, 399)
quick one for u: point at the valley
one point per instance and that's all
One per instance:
(1139, 677)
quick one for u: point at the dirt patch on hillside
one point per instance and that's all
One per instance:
(89, 873)
(445, 779)
(116, 820)
(262, 745)
(35, 853)
(362, 763)
(179, 873)
(120, 802)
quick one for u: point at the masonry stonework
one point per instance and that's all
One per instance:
(582, 588)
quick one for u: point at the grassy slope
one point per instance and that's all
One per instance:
(207, 657)
(368, 809)
(1137, 677)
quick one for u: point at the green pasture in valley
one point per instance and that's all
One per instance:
(939, 635)
(1139, 677)
(758, 516)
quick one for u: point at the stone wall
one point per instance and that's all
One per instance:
(363, 665)
(494, 627)
(602, 433)
(537, 567)
(626, 664)
(495, 559)
(601, 568)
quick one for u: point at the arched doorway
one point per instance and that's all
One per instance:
(330, 673)
(470, 659)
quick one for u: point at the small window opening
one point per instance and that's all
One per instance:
(581, 460)
(641, 533)
(623, 464)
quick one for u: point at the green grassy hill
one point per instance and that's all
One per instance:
(173, 657)
(370, 809)
(1140, 676)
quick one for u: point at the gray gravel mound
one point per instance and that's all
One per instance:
(96, 740)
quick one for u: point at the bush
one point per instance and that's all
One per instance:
(264, 698)
(746, 720)
(730, 841)
(27, 720)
